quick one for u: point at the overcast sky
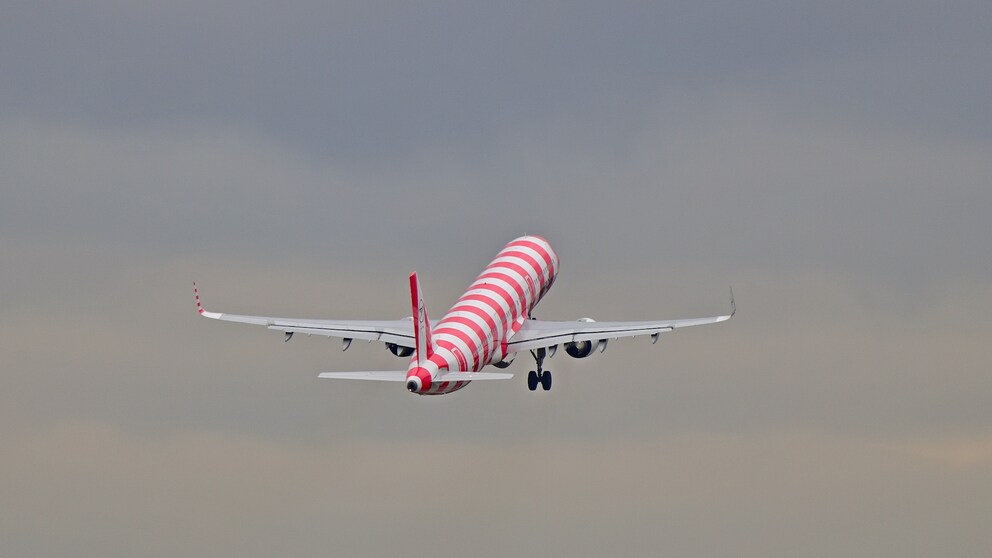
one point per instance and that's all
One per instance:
(830, 160)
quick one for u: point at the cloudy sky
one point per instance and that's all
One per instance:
(832, 160)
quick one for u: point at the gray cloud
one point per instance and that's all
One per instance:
(728, 180)
(347, 80)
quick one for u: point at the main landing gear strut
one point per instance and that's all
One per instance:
(541, 376)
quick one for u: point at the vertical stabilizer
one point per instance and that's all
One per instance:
(422, 324)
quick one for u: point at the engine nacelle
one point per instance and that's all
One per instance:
(398, 350)
(507, 360)
(582, 349)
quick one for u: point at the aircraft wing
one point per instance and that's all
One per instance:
(536, 334)
(399, 332)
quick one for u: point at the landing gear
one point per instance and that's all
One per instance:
(532, 380)
(540, 376)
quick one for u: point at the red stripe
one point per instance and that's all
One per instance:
(541, 250)
(439, 361)
(469, 323)
(466, 339)
(524, 274)
(476, 328)
(506, 297)
(443, 362)
(521, 271)
(477, 311)
(498, 329)
(451, 347)
(544, 274)
(530, 260)
(492, 273)
(488, 302)
(474, 349)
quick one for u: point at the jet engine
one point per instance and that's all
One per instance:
(506, 361)
(399, 350)
(582, 349)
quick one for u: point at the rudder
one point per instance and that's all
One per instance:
(422, 324)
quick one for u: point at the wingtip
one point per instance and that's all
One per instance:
(196, 295)
(199, 307)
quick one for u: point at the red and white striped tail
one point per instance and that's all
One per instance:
(422, 324)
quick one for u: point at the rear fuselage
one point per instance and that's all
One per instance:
(474, 333)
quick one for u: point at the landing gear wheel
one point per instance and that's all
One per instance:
(539, 376)
(532, 380)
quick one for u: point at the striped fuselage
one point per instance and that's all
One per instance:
(476, 330)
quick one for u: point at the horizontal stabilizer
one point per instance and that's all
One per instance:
(469, 376)
(383, 376)
(400, 376)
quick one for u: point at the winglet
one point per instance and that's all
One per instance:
(733, 305)
(199, 307)
(422, 324)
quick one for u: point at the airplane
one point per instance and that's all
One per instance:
(489, 324)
